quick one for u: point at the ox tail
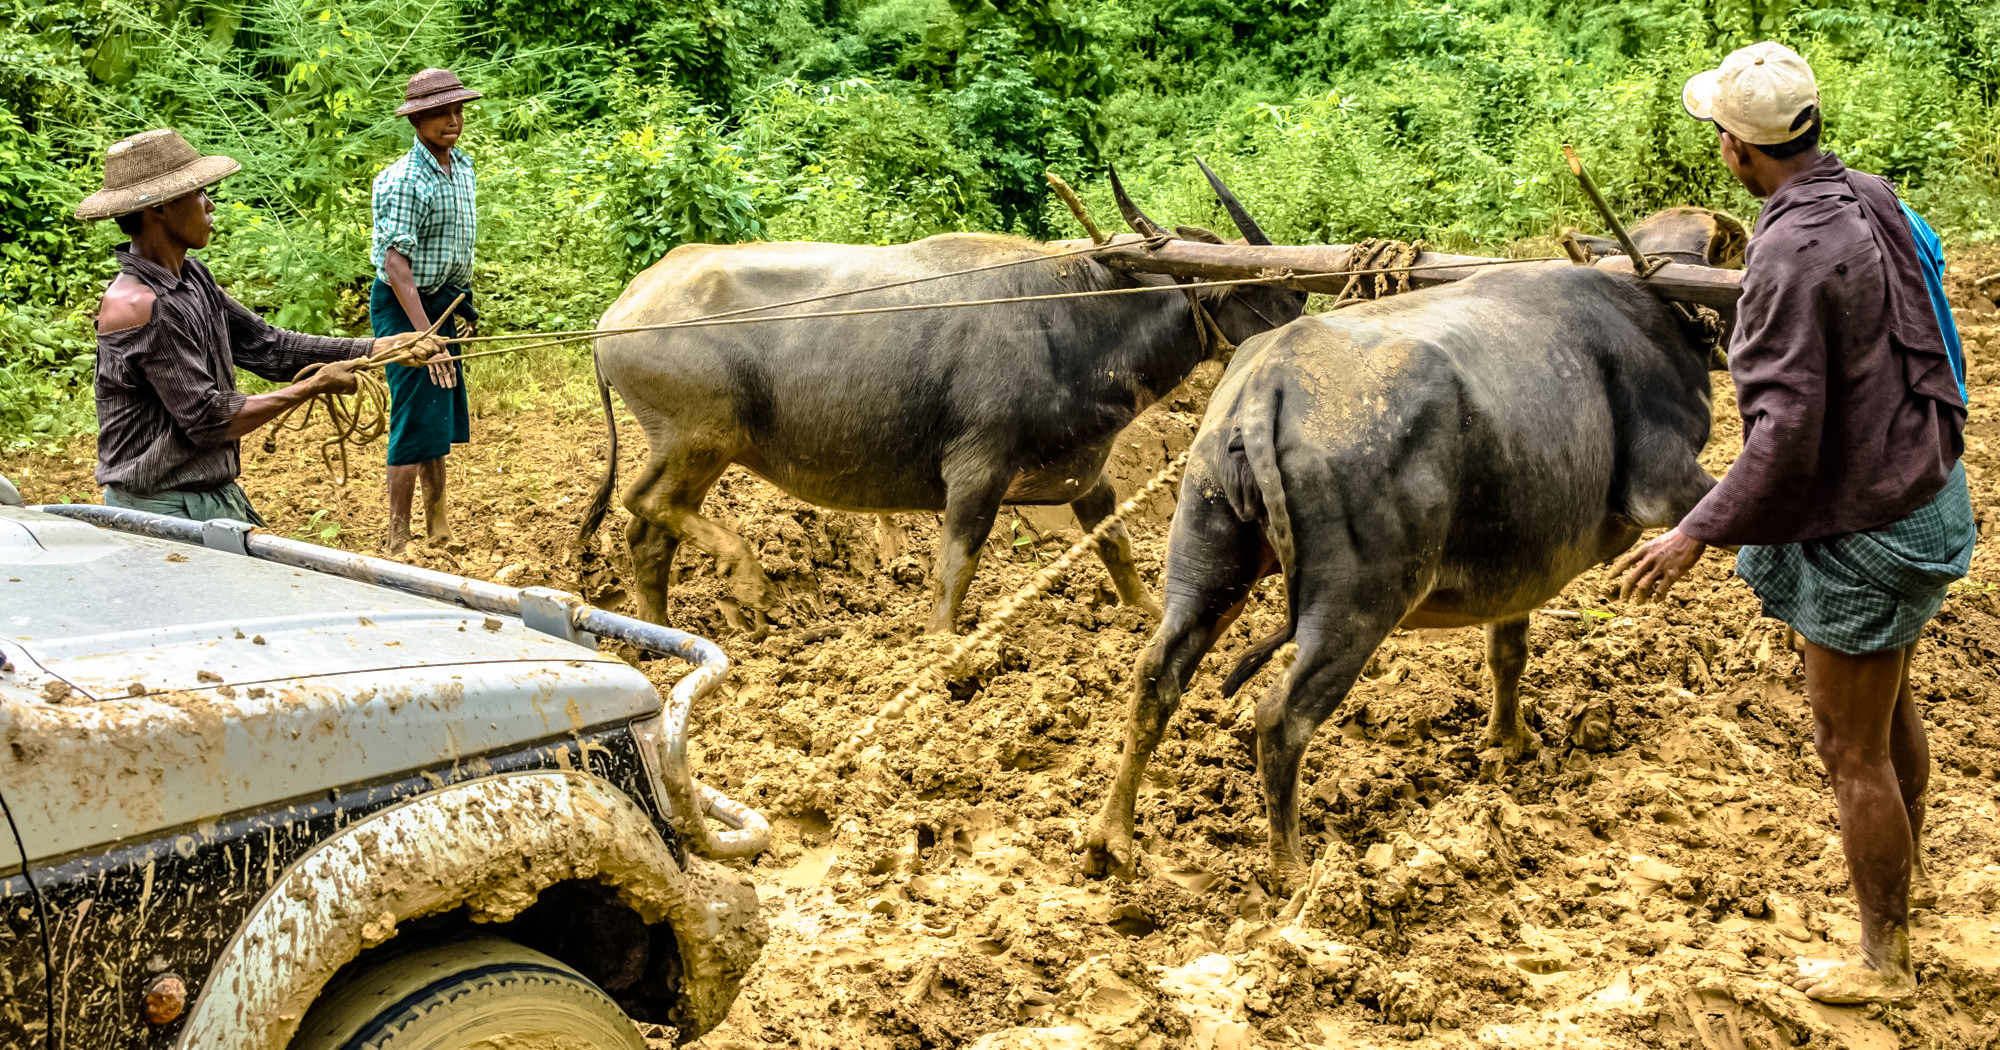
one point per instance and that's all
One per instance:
(1256, 492)
(600, 501)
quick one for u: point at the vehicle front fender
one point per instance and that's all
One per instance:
(490, 845)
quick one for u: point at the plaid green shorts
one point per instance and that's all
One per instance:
(1864, 592)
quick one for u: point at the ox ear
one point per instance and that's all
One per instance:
(1196, 233)
(1141, 223)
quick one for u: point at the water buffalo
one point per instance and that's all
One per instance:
(953, 410)
(1445, 458)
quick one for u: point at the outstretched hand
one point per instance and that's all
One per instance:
(1648, 571)
(422, 350)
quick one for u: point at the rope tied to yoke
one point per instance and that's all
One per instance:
(1386, 262)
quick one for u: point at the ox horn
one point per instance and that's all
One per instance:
(1139, 221)
(1237, 212)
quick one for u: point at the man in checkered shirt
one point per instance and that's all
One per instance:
(424, 230)
(1848, 502)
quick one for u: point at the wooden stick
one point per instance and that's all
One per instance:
(1069, 197)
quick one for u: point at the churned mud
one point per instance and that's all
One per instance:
(1655, 893)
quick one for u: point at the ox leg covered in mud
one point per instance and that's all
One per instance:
(1116, 547)
(1217, 557)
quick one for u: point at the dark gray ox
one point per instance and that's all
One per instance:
(953, 410)
(1444, 458)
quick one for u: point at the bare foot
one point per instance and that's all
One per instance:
(399, 538)
(1923, 891)
(437, 525)
(1842, 982)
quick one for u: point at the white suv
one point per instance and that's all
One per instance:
(263, 794)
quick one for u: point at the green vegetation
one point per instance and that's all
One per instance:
(614, 130)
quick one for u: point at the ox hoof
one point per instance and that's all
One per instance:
(1590, 725)
(1109, 852)
(1503, 750)
(1510, 744)
(1287, 878)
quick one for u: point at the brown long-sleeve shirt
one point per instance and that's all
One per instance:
(166, 390)
(1852, 416)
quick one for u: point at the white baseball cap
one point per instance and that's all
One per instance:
(1757, 94)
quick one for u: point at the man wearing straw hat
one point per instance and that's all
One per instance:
(169, 341)
(1848, 501)
(424, 230)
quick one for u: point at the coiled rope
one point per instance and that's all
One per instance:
(358, 418)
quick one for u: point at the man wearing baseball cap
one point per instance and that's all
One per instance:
(1848, 501)
(169, 342)
(425, 225)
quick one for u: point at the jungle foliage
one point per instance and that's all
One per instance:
(613, 130)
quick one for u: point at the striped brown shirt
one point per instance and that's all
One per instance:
(166, 390)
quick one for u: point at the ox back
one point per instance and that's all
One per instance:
(1444, 458)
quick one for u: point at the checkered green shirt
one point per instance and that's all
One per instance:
(428, 216)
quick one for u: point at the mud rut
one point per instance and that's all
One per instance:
(1651, 895)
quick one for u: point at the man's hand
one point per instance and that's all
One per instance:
(416, 345)
(1654, 567)
(337, 377)
(423, 350)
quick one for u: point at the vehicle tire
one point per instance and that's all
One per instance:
(477, 992)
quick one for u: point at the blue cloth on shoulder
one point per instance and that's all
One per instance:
(1930, 256)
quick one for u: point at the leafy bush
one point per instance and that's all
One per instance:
(45, 373)
(670, 179)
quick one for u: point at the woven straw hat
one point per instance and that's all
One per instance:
(432, 88)
(152, 167)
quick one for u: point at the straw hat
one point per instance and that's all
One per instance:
(152, 167)
(432, 88)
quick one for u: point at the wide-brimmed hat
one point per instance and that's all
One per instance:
(432, 88)
(1759, 94)
(152, 167)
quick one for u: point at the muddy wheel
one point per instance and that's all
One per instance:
(476, 992)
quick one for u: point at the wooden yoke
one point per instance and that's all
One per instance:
(1700, 285)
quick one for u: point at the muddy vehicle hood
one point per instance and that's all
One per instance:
(158, 684)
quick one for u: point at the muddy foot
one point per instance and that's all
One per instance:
(1511, 743)
(1503, 750)
(1287, 878)
(1843, 982)
(437, 528)
(399, 538)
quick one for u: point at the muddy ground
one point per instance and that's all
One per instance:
(1654, 894)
